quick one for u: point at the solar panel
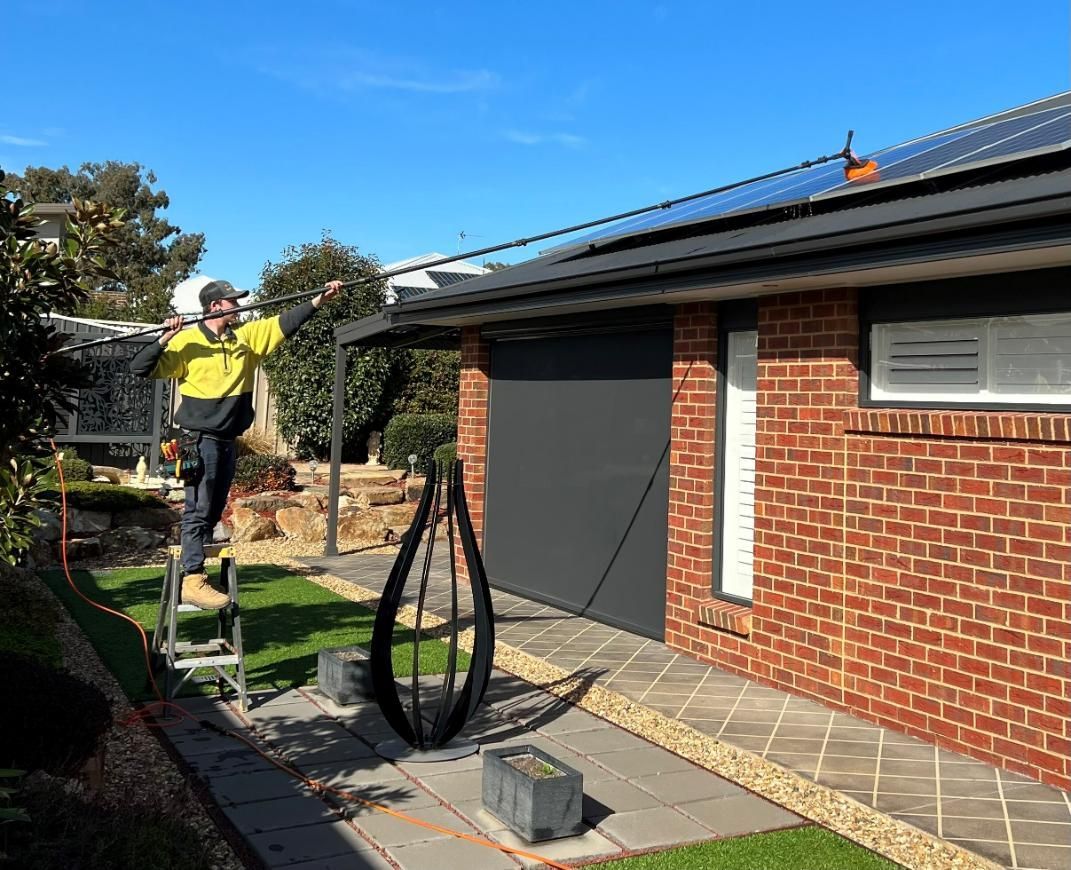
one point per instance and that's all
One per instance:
(445, 279)
(1000, 138)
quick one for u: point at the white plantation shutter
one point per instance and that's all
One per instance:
(738, 502)
(989, 359)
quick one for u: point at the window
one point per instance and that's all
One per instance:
(1018, 359)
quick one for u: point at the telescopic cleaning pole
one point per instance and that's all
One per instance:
(845, 153)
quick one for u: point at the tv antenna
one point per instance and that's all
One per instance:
(461, 236)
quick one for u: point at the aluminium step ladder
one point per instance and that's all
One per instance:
(180, 660)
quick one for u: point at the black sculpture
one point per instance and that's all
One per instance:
(454, 708)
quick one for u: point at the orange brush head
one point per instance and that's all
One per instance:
(861, 170)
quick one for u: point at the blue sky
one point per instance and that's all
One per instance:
(397, 126)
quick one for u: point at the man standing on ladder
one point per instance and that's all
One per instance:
(214, 365)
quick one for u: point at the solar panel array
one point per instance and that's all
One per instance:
(1048, 129)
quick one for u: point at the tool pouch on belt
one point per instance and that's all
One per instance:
(189, 467)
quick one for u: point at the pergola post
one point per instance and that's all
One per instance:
(338, 410)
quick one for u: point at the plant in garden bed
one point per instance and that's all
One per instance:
(416, 434)
(262, 473)
(37, 278)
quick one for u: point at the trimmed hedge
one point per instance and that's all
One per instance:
(418, 434)
(107, 497)
(263, 473)
(74, 468)
(67, 831)
(57, 721)
(445, 455)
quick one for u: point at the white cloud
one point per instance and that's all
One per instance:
(348, 69)
(21, 141)
(524, 137)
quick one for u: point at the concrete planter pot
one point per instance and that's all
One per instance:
(544, 806)
(344, 674)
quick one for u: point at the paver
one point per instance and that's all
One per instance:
(317, 842)
(740, 814)
(389, 830)
(290, 812)
(682, 786)
(590, 844)
(659, 826)
(452, 853)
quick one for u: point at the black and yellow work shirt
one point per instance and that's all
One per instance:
(215, 373)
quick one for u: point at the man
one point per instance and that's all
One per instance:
(214, 365)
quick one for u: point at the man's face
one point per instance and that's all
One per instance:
(226, 305)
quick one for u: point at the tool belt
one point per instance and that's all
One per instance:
(182, 458)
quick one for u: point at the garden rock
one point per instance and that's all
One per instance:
(250, 526)
(398, 518)
(414, 488)
(366, 526)
(307, 500)
(221, 533)
(305, 525)
(131, 538)
(159, 518)
(345, 504)
(374, 496)
(110, 474)
(50, 528)
(83, 522)
(84, 548)
(263, 502)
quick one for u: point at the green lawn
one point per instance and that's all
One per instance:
(286, 620)
(809, 848)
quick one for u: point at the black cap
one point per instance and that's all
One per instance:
(213, 291)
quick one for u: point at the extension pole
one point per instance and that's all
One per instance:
(844, 154)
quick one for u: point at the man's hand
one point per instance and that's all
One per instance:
(333, 289)
(174, 325)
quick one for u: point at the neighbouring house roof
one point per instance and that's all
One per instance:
(421, 281)
(1000, 214)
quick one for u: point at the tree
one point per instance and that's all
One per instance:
(150, 254)
(36, 279)
(302, 372)
(494, 265)
(427, 382)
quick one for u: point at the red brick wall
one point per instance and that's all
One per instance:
(472, 408)
(920, 580)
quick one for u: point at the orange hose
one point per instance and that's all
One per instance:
(146, 712)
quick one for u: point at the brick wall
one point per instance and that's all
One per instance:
(911, 567)
(472, 410)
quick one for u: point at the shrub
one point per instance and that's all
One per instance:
(416, 434)
(74, 467)
(255, 442)
(261, 473)
(445, 455)
(107, 497)
(60, 728)
(28, 618)
(21, 490)
(67, 831)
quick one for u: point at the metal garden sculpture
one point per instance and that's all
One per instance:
(418, 741)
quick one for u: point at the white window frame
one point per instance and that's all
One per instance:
(986, 391)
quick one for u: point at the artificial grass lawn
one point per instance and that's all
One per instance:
(807, 848)
(286, 621)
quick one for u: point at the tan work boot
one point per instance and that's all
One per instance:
(198, 591)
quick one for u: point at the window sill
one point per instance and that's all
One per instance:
(734, 618)
(979, 425)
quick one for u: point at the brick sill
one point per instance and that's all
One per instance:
(978, 425)
(722, 615)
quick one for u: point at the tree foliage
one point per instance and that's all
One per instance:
(427, 382)
(150, 255)
(302, 372)
(35, 280)
(494, 265)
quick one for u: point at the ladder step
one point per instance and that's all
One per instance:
(204, 662)
(214, 645)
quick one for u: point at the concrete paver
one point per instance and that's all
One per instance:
(288, 812)
(315, 843)
(657, 826)
(739, 814)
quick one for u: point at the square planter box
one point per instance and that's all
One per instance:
(535, 807)
(344, 674)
